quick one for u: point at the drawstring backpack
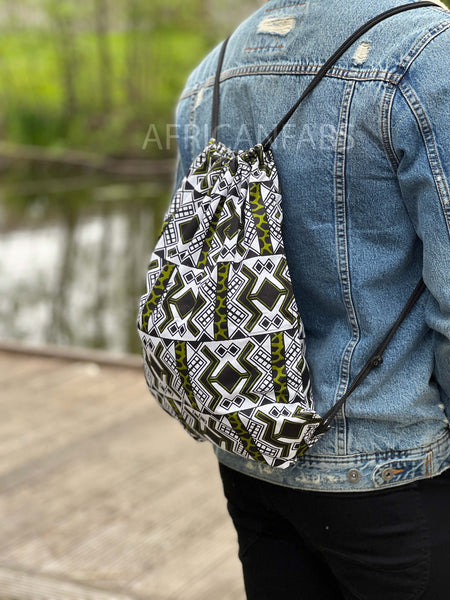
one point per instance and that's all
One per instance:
(223, 341)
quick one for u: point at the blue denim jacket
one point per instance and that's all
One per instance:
(364, 168)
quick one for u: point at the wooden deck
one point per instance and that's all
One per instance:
(103, 496)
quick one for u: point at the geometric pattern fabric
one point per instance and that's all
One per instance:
(222, 338)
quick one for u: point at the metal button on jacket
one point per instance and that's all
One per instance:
(388, 475)
(354, 476)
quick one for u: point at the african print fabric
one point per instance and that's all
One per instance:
(222, 337)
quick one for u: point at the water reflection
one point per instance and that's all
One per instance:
(72, 265)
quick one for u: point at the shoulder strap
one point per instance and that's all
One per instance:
(216, 99)
(320, 75)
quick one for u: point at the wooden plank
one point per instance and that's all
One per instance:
(18, 584)
(100, 489)
(15, 369)
(74, 402)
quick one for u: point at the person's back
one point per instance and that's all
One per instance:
(364, 168)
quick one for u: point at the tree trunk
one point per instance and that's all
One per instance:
(101, 8)
(61, 18)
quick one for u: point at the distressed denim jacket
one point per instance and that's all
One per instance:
(364, 168)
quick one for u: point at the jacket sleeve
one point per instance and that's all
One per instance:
(420, 129)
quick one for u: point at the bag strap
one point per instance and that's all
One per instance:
(315, 81)
(216, 97)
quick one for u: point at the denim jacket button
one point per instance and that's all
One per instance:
(388, 475)
(354, 476)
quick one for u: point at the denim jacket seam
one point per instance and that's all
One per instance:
(412, 453)
(387, 103)
(297, 69)
(335, 71)
(343, 258)
(192, 102)
(419, 45)
(429, 141)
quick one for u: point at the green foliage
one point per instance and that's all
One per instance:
(95, 78)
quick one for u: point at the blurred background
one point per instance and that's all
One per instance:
(87, 96)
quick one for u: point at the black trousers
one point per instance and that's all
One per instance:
(382, 545)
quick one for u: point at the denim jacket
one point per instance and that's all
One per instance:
(364, 167)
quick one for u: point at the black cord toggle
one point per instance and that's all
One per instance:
(377, 361)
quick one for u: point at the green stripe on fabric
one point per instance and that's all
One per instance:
(220, 312)
(156, 293)
(245, 437)
(260, 218)
(181, 358)
(279, 375)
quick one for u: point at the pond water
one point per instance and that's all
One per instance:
(73, 259)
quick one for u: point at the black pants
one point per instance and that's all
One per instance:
(382, 545)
